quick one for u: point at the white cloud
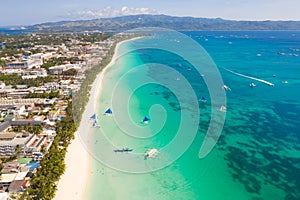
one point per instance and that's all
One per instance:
(108, 12)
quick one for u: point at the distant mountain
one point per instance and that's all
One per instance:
(178, 23)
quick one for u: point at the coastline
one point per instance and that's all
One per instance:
(73, 183)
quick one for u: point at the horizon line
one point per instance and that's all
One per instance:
(182, 16)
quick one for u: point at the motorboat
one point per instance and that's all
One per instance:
(151, 153)
(223, 109)
(225, 87)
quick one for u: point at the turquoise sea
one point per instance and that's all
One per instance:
(256, 157)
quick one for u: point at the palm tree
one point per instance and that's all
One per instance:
(19, 149)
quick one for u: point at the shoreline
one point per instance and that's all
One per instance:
(73, 183)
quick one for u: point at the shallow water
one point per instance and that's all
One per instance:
(258, 153)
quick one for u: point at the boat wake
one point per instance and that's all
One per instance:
(250, 77)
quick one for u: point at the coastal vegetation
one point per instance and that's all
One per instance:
(15, 80)
(81, 98)
(43, 184)
(28, 128)
(59, 61)
(50, 95)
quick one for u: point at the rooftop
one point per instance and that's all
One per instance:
(7, 178)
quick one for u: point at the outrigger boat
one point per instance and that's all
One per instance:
(123, 150)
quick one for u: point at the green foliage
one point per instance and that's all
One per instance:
(59, 61)
(2, 63)
(50, 95)
(15, 79)
(11, 52)
(8, 159)
(43, 184)
(18, 148)
(81, 98)
(1, 167)
(29, 128)
(70, 72)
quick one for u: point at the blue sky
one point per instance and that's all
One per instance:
(21, 12)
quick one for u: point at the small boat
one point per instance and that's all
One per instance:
(223, 109)
(95, 124)
(252, 85)
(203, 99)
(177, 79)
(151, 153)
(284, 82)
(123, 150)
(146, 120)
(108, 112)
(94, 116)
(225, 87)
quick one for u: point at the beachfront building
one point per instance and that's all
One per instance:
(10, 141)
(18, 185)
(59, 69)
(42, 56)
(53, 114)
(3, 93)
(2, 85)
(4, 126)
(25, 64)
(4, 196)
(10, 167)
(6, 180)
(14, 175)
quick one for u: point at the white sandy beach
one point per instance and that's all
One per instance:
(73, 182)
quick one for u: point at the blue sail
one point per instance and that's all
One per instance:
(203, 99)
(146, 120)
(93, 116)
(108, 111)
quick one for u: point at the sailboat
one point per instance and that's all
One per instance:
(95, 124)
(108, 112)
(146, 120)
(203, 99)
(94, 116)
